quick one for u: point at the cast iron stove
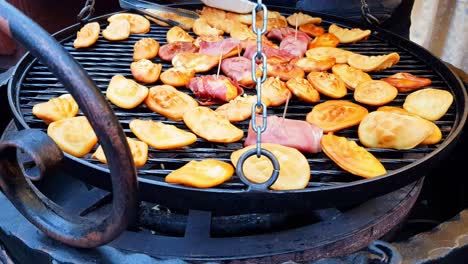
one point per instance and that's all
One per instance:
(336, 214)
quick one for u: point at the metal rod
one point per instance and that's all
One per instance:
(72, 230)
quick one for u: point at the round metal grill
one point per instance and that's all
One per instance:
(33, 84)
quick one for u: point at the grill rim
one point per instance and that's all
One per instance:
(341, 194)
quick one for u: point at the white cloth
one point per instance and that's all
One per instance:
(441, 27)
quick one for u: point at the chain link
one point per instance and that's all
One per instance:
(254, 18)
(259, 55)
(259, 105)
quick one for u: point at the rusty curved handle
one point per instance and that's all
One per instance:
(38, 209)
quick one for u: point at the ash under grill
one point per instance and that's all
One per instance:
(105, 59)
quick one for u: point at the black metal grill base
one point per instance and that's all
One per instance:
(25, 243)
(334, 232)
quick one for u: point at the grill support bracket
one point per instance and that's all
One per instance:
(44, 214)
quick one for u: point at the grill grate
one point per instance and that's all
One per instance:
(330, 186)
(105, 59)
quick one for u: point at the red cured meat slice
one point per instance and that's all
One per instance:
(168, 51)
(239, 69)
(224, 46)
(211, 90)
(281, 33)
(269, 53)
(295, 45)
(297, 134)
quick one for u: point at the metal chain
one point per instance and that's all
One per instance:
(86, 12)
(259, 55)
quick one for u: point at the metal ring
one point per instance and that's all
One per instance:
(38, 146)
(387, 253)
(258, 186)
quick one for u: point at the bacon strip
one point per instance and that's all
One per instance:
(280, 55)
(168, 51)
(281, 33)
(211, 90)
(295, 45)
(297, 134)
(240, 70)
(227, 46)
